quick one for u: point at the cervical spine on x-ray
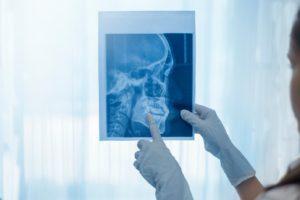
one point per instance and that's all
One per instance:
(137, 82)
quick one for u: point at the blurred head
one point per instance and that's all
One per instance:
(294, 57)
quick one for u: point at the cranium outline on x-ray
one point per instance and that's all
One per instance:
(138, 70)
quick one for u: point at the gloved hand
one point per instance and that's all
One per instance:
(206, 122)
(159, 167)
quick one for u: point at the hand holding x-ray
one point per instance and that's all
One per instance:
(206, 122)
(157, 165)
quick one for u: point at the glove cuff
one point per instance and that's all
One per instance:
(173, 186)
(236, 166)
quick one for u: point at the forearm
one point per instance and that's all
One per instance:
(238, 170)
(240, 173)
(249, 189)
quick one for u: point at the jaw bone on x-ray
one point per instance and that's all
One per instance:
(148, 73)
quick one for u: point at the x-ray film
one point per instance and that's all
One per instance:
(146, 65)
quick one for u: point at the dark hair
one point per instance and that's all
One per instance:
(295, 34)
(292, 177)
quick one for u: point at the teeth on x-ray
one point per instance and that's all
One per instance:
(156, 106)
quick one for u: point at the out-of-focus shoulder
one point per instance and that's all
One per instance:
(287, 192)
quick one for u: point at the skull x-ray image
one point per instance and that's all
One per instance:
(148, 73)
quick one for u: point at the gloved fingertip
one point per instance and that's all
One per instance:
(187, 115)
(137, 154)
(140, 144)
(136, 165)
(183, 114)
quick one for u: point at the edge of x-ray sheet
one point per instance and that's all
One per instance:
(138, 22)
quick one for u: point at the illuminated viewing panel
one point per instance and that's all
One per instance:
(145, 71)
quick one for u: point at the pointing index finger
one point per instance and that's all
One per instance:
(153, 128)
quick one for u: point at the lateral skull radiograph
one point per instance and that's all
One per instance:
(141, 78)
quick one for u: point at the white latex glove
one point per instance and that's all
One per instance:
(206, 122)
(157, 165)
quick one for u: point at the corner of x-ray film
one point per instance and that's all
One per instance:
(147, 73)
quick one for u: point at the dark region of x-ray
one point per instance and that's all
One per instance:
(148, 73)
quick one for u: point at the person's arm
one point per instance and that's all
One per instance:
(157, 165)
(236, 167)
(249, 189)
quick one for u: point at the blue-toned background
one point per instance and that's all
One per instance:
(126, 55)
(49, 125)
